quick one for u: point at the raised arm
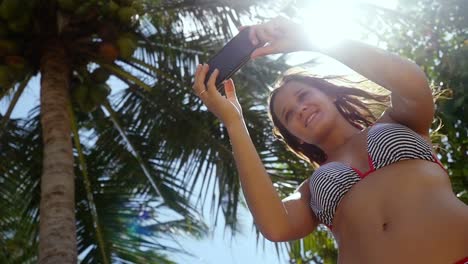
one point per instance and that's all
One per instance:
(276, 220)
(412, 103)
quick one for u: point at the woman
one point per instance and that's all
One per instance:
(379, 186)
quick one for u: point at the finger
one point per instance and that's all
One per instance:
(263, 51)
(230, 89)
(212, 81)
(197, 76)
(201, 78)
(253, 35)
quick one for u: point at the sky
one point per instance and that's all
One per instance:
(221, 247)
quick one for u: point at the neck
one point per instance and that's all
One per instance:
(338, 137)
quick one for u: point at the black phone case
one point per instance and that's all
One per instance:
(241, 48)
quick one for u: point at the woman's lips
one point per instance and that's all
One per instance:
(310, 118)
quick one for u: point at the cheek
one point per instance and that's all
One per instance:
(331, 111)
(297, 130)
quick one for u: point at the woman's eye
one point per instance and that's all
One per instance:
(286, 117)
(301, 96)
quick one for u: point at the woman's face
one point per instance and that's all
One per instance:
(305, 111)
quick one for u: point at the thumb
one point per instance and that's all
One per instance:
(230, 89)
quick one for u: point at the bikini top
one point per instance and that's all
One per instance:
(387, 143)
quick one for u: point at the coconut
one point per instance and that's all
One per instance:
(10, 9)
(113, 7)
(127, 46)
(16, 62)
(87, 106)
(3, 29)
(129, 35)
(108, 52)
(5, 77)
(100, 75)
(107, 32)
(8, 47)
(126, 15)
(86, 8)
(17, 65)
(79, 93)
(20, 24)
(98, 93)
(67, 5)
(139, 6)
(125, 2)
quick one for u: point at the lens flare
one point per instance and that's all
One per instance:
(329, 22)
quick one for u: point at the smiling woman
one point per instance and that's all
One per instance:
(358, 106)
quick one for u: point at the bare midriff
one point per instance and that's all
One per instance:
(403, 213)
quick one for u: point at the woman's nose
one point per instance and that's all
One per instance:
(302, 110)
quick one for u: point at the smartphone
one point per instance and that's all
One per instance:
(231, 57)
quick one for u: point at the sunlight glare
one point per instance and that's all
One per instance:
(328, 22)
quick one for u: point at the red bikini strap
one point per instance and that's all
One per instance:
(371, 163)
(463, 261)
(439, 163)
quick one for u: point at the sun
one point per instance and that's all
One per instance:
(327, 22)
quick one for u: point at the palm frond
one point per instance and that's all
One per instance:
(13, 103)
(89, 193)
(20, 167)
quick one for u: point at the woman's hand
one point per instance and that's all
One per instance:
(280, 35)
(225, 108)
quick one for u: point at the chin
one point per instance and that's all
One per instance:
(322, 128)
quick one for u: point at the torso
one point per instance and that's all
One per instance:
(405, 212)
(394, 217)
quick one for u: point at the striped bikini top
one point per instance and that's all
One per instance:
(387, 143)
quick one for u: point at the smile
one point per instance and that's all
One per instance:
(310, 118)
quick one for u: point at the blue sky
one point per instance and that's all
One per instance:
(219, 246)
(223, 248)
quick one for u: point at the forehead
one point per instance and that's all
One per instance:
(287, 93)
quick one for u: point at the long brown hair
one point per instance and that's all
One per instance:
(358, 107)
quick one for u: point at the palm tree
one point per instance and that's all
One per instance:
(60, 40)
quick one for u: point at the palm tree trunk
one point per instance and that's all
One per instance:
(57, 233)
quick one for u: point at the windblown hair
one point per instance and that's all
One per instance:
(358, 107)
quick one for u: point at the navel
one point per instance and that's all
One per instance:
(385, 226)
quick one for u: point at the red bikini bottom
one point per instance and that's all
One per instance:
(462, 261)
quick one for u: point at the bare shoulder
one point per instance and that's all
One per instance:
(417, 114)
(387, 118)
